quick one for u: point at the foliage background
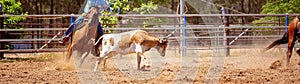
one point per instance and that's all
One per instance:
(11, 7)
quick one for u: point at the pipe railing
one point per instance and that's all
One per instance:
(159, 15)
(153, 28)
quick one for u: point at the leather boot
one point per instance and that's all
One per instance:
(64, 40)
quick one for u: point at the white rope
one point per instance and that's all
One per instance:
(240, 35)
(50, 40)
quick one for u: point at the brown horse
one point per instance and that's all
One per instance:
(289, 37)
(84, 36)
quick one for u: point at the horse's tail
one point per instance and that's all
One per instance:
(283, 40)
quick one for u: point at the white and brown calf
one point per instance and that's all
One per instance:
(137, 41)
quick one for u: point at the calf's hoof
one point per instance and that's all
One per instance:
(145, 68)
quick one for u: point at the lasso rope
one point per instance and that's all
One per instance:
(49, 41)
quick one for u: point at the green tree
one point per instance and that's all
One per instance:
(279, 7)
(117, 6)
(146, 8)
(11, 7)
(124, 6)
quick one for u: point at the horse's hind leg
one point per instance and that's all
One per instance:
(69, 53)
(290, 50)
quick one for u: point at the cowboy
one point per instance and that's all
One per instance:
(97, 3)
(103, 6)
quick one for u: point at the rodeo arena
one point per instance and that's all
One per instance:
(161, 48)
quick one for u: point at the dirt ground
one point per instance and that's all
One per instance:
(243, 66)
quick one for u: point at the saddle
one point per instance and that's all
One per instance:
(81, 23)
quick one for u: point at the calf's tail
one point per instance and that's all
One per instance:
(99, 40)
(283, 40)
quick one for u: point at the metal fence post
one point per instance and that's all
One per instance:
(286, 21)
(72, 18)
(1, 33)
(184, 36)
(286, 24)
(183, 51)
(227, 30)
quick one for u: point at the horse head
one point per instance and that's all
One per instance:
(93, 15)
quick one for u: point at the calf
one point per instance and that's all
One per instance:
(137, 41)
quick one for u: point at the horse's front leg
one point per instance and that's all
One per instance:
(298, 52)
(84, 55)
(95, 46)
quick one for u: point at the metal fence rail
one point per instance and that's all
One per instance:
(148, 28)
(37, 36)
(156, 15)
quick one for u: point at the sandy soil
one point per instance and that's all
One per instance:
(241, 67)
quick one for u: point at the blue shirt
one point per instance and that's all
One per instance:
(91, 3)
(96, 3)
